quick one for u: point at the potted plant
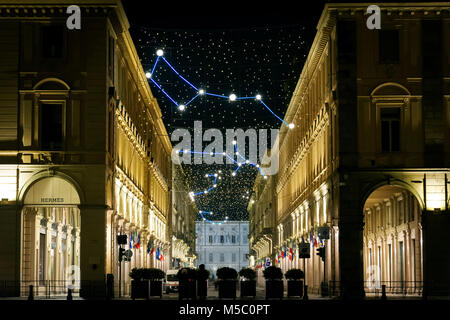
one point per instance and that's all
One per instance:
(294, 279)
(147, 282)
(139, 286)
(274, 282)
(202, 281)
(156, 277)
(187, 283)
(227, 282)
(248, 282)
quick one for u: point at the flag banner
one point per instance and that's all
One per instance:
(138, 243)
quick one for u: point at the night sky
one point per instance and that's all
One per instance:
(246, 51)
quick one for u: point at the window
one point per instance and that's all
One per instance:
(388, 46)
(233, 239)
(52, 41)
(51, 127)
(211, 257)
(233, 257)
(390, 129)
(221, 239)
(222, 257)
(210, 239)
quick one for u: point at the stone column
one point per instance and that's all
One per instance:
(351, 245)
(10, 225)
(436, 253)
(93, 251)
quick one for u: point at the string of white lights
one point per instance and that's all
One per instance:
(200, 92)
(181, 107)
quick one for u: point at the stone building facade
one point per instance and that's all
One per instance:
(262, 219)
(371, 140)
(222, 244)
(184, 213)
(84, 155)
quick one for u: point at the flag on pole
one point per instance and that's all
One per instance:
(157, 253)
(311, 238)
(131, 239)
(138, 243)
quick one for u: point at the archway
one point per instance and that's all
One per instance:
(50, 236)
(392, 236)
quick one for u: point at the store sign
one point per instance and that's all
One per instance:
(52, 191)
(52, 200)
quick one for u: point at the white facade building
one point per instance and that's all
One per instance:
(222, 245)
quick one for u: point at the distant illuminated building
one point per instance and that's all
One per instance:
(222, 245)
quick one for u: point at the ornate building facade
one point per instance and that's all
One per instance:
(184, 213)
(84, 155)
(262, 218)
(222, 244)
(369, 156)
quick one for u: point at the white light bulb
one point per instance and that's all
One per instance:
(148, 75)
(265, 177)
(247, 161)
(181, 107)
(211, 153)
(201, 92)
(239, 164)
(237, 153)
(234, 141)
(220, 171)
(233, 174)
(206, 175)
(206, 191)
(200, 211)
(257, 165)
(258, 97)
(233, 97)
(215, 175)
(159, 52)
(291, 126)
(215, 185)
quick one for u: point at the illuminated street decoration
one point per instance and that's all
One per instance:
(200, 92)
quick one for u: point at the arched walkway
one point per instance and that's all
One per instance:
(392, 236)
(51, 224)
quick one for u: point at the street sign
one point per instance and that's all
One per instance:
(304, 250)
(324, 232)
(128, 255)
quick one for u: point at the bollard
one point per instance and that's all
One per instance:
(31, 293)
(69, 294)
(305, 295)
(383, 292)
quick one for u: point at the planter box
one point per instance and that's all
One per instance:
(227, 289)
(156, 287)
(202, 288)
(274, 289)
(140, 289)
(295, 288)
(187, 290)
(248, 288)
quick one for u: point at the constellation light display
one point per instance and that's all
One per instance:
(216, 176)
(181, 107)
